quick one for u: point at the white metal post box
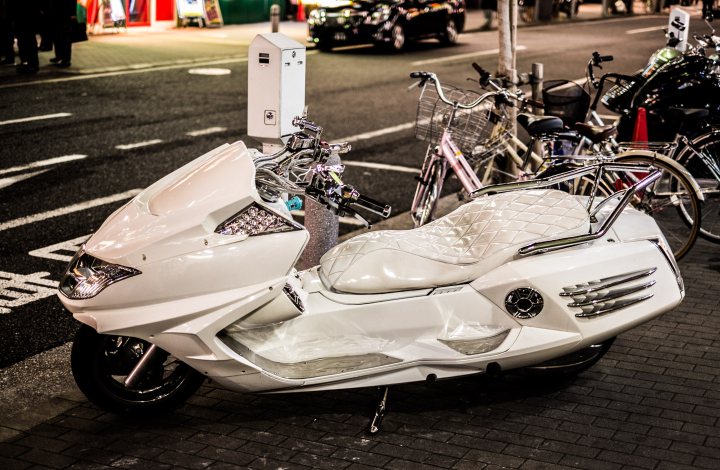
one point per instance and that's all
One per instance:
(276, 88)
(678, 25)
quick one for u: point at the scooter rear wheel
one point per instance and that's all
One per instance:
(101, 363)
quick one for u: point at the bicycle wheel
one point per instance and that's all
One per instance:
(428, 193)
(670, 200)
(708, 145)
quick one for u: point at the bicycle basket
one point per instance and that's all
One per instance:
(567, 100)
(433, 114)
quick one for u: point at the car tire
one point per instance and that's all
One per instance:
(398, 38)
(450, 34)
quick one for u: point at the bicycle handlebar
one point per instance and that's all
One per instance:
(484, 76)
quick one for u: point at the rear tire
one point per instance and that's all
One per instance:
(709, 144)
(671, 201)
(100, 364)
(450, 34)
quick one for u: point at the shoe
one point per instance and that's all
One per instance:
(64, 64)
(26, 69)
(55, 60)
(7, 61)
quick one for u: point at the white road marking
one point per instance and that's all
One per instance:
(463, 56)
(348, 48)
(50, 161)
(68, 209)
(71, 245)
(370, 135)
(579, 81)
(343, 220)
(208, 71)
(138, 144)
(5, 182)
(644, 30)
(35, 118)
(209, 130)
(149, 68)
(609, 117)
(24, 289)
(383, 166)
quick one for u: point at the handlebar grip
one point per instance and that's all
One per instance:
(373, 206)
(535, 104)
(419, 75)
(478, 69)
(606, 58)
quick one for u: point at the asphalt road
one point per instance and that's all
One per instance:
(350, 92)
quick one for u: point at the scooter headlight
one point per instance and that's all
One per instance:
(87, 276)
(256, 220)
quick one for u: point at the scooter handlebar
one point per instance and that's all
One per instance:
(373, 206)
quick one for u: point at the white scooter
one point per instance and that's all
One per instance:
(195, 278)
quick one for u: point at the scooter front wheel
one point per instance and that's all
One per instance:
(102, 366)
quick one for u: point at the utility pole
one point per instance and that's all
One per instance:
(507, 30)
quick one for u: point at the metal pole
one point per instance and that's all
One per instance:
(275, 18)
(537, 86)
(573, 5)
(604, 5)
(323, 226)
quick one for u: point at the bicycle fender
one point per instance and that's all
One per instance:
(667, 160)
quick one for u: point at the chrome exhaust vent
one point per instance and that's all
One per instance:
(603, 296)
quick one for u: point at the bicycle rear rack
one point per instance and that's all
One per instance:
(626, 196)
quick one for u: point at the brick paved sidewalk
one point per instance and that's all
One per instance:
(653, 402)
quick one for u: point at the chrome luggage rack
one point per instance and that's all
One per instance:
(662, 147)
(598, 169)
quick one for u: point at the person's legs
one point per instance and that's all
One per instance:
(62, 44)
(7, 42)
(27, 44)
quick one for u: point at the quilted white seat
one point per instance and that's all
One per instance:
(459, 247)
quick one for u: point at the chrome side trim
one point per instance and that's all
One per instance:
(601, 310)
(611, 295)
(309, 369)
(593, 286)
(660, 245)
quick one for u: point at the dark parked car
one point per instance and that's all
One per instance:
(389, 23)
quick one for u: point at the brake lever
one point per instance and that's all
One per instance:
(416, 84)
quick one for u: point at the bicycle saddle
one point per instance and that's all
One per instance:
(465, 244)
(682, 114)
(537, 125)
(596, 134)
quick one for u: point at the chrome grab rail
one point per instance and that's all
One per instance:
(598, 168)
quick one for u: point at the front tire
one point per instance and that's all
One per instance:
(100, 363)
(398, 38)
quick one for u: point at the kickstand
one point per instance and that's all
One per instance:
(374, 427)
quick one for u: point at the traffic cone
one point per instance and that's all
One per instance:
(640, 133)
(300, 12)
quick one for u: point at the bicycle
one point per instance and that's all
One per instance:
(698, 154)
(675, 188)
(455, 129)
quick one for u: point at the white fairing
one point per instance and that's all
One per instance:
(233, 307)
